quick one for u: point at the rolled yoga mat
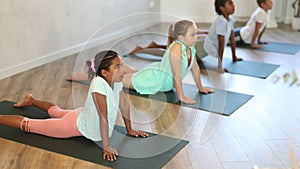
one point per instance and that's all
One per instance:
(134, 153)
(221, 101)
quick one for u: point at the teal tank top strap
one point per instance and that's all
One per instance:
(192, 49)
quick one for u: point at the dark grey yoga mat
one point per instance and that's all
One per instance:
(221, 101)
(134, 153)
(246, 68)
(278, 47)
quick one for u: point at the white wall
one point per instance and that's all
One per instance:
(203, 10)
(197, 10)
(35, 32)
(289, 12)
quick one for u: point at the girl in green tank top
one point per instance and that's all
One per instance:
(177, 61)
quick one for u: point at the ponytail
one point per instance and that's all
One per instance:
(171, 35)
(91, 69)
(101, 61)
(179, 28)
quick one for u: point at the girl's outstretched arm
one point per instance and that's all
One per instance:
(176, 59)
(255, 35)
(233, 47)
(109, 153)
(197, 78)
(125, 110)
(221, 40)
(232, 44)
(260, 35)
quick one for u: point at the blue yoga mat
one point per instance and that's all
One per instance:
(134, 153)
(278, 47)
(246, 68)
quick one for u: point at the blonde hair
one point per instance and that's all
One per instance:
(179, 28)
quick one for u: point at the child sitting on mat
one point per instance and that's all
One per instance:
(177, 61)
(256, 25)
(221, 31)
(96, 120)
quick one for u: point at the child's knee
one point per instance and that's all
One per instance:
(56, 112)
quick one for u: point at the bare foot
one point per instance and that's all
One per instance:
(152, 45)
(26, 102)
(137, 48)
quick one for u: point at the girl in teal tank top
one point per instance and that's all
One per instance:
(158, 76)
(177, 61)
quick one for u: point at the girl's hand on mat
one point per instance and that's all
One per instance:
(222, 70)
(110, 154)
(206, 90)
(134, 133)
(236, 59)
(188, 100)
(260, 42)
(254, 46)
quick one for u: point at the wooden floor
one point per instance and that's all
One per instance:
(260, 132)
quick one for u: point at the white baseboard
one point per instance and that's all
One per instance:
(13, 70)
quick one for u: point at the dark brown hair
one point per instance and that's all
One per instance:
(260, 1)
(218, 5)
(102, 60)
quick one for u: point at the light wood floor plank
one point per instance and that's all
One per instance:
(286, 151)
(237, 165)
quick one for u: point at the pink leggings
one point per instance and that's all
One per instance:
(62, 124)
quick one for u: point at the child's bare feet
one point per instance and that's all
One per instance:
(26, 102)
(152, 45)
(137, 48)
